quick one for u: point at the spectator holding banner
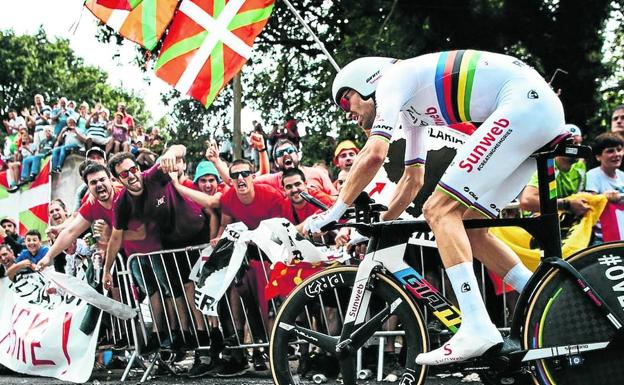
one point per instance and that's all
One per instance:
(250, 203)
(33, 253)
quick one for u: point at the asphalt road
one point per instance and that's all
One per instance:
(103, 377)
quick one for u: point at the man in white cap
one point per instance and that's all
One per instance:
(570, 177)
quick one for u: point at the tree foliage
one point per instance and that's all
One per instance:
(289, 77)
(547, 34)
(34, 64)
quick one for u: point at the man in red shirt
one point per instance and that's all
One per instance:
(286, 156)
(98, 180)
(247, 201)
(295, 208)
(250, 203)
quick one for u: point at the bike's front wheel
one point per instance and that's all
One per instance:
(560, 315)
(320, 303)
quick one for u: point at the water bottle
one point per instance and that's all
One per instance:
(97, 266)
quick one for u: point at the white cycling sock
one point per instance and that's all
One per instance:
(518, 276)
(466, 290)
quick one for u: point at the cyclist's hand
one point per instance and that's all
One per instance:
(314, 223)
(342, 238)
(612, 196)
(579, 206)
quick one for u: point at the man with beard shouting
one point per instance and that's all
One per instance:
(98, 180)
(286, 156)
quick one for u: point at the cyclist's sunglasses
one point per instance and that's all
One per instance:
(344, 102)
(287, 150)
(124, 174)
(244, 174)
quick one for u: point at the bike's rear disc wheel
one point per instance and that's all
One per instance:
(559, 314)
(337, 283)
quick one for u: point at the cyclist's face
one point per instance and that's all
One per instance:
(611, 157)
(360, 110)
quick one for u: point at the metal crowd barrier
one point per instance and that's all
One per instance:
(157, 284)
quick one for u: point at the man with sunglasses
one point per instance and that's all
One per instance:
(286, 156)
(519, 113)
(171, 220)
(247, 201)
(250, 203)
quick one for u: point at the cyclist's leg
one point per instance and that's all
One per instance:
(491, 251)
(520, 125)
(477, 332)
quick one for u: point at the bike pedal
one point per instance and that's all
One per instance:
(508, 346)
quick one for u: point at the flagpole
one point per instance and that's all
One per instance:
(314, 37)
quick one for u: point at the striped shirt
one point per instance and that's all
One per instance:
(97, 129)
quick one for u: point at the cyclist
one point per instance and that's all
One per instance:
(519, 114)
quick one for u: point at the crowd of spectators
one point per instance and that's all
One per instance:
(56, 130)
(133, 203)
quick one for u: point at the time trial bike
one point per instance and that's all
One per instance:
(566, 327)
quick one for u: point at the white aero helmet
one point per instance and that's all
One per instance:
(361, 75)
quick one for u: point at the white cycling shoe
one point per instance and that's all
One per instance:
(462, 346)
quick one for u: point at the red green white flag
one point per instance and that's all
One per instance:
(29, 205)
(127, 5)
(208, 43)
(141, 21)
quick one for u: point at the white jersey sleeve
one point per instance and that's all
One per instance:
(395, 89)
(415, 137)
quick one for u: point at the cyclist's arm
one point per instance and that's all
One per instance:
(405, 192)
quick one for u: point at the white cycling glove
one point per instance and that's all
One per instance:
(316, 222)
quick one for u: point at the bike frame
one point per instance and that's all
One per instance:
(387, 240)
